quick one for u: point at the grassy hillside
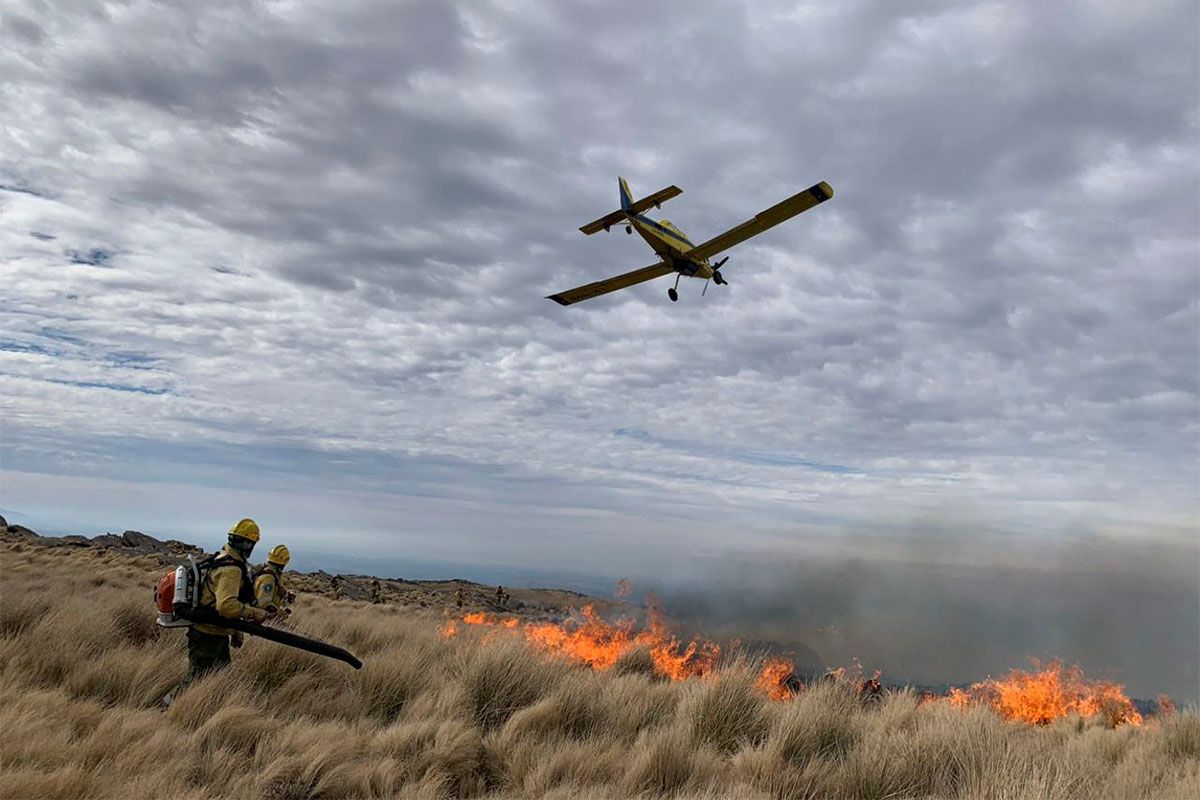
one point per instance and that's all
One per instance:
(479, 714)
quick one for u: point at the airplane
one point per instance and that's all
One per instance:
(676, 252)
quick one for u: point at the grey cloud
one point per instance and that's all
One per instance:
(18, 188)
(22, 26)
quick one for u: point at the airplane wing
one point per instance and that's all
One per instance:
(646, 203)
(796, 204)
(607, 285)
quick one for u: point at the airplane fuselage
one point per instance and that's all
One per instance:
(671, 244)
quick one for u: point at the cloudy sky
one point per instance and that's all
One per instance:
(288, 260)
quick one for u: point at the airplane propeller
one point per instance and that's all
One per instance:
(717, 276)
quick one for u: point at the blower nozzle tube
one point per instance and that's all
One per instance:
(206, 616)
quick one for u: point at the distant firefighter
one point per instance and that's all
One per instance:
(376, 591)
(335, 583)
(500, 595)
(870, 691)
(459, 597)
(270, 592)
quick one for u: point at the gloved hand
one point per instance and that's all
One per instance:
(236, 639)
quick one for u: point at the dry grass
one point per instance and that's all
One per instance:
(82, 667)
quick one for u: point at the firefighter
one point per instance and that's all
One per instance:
(500, 595)
(459, 597)
(225, 586)
(270, 592)
(376, 591)
(870, 691)
(335, 583)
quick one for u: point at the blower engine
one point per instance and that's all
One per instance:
(177, 590)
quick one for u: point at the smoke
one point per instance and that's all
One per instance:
(946, 604)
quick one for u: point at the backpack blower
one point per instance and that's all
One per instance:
(177, 596)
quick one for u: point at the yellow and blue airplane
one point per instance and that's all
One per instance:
(675, 251)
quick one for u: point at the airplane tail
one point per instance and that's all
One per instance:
(626, 195)
(629, 205)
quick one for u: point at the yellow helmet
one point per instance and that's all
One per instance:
(279, 555)
(246, 529)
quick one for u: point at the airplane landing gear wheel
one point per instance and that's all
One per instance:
(674, 295)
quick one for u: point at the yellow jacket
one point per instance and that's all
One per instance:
(269, 590)
(221, 589)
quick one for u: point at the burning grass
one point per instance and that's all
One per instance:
(590, 641)
(505, 710)
(1047, 694)
(1039, 697)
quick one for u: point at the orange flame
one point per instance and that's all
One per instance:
(1044, 695)
(774, 676)
(589, 640)
(1038, 697)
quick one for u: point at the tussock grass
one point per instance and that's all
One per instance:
(817, 725)
(501, 679)
(1182, 734)
(387, 685)
(727, 713)
(19, 614)
(82, 668)
(638, 661)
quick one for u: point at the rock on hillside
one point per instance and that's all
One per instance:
(132, 543)
(15, 530)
